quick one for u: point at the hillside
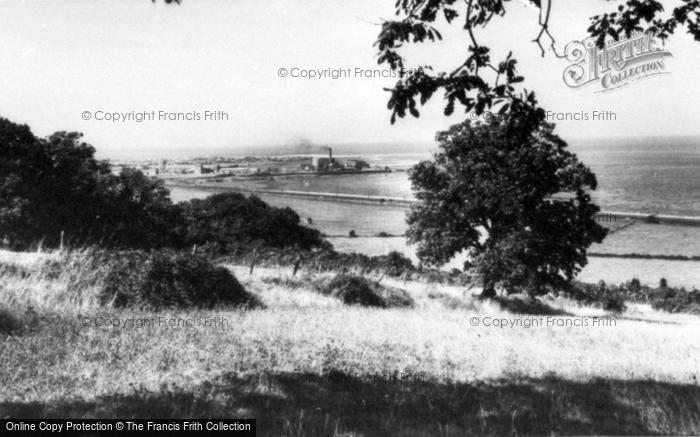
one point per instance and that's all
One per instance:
(308, 365)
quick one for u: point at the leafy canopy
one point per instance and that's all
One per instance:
(53, 188)
(232, 221)
(479, 82)
(489, 192)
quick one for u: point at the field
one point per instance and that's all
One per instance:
(308, 365)
(336, 219)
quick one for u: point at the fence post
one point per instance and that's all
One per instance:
(296, 266)
(255, 257)
(61, 246)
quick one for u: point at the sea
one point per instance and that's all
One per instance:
(648, 175)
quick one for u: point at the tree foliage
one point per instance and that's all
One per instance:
(231, 220)
(46, 185)
(489, 187)
(644, 16)
(489, 191)
(53, 187)
(479, 82)
(135, 211)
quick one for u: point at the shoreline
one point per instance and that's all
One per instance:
(608, 216)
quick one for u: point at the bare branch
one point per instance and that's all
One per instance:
(543, 21)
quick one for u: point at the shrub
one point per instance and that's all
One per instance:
(634, 286)
(9, 323)
(152, 280)
(352, 234)
(167, 279)
(355, 290)
(615, 303)
(611, 298)
(395, 263)
(676, 300)
(395, 297)
(19, 319)
(231, 220)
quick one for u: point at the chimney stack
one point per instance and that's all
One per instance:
(330, 155)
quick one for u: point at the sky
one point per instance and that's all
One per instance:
(63, 58)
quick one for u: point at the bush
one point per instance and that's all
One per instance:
(395, 263)
(395, 297)
(19, 319)
(611, 298)
(9, 323)
(170, 280)
(634, 286)
(676, 300)
(355, 290)
(150, 280)
(615, 303)
(231, 220)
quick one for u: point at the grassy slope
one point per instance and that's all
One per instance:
(308, 365)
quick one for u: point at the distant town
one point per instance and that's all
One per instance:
(251, 166)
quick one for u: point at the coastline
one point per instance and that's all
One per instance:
(642, 250)
(403, 202)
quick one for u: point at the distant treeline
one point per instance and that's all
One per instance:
(645, 256)
(53, 192)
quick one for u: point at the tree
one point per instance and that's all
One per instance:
(468, 84)
(477, 82)
(499, 175)
(18, 163)
(54, 186)
(489, 191)
(47, 186)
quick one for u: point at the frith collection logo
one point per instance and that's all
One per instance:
(618, 64)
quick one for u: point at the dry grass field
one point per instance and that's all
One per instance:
(309, 365)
